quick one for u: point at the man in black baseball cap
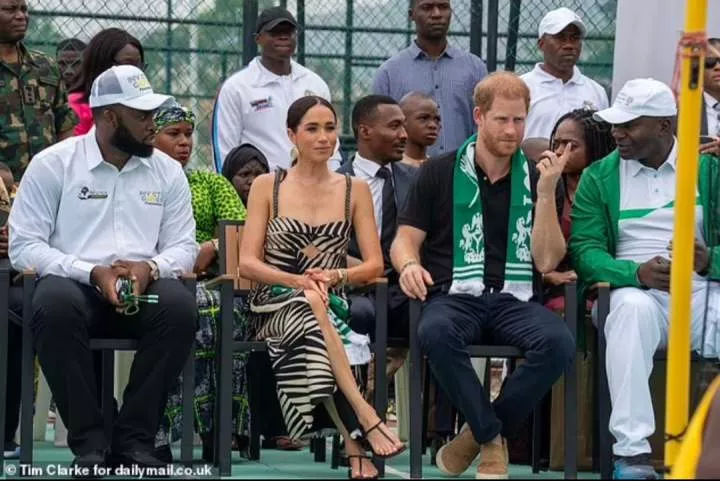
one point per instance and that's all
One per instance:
(272, 17)
(251, 107)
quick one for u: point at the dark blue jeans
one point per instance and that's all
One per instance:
(450, 323)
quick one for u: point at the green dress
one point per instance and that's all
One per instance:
(213, 199)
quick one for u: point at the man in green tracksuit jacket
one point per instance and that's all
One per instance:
(622, 226)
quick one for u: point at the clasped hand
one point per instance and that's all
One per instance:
(107, 277)
(319, 280)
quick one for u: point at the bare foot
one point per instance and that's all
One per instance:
(361, 467)
(383, 441)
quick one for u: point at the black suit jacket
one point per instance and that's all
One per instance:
(403, 176)
(703, 118)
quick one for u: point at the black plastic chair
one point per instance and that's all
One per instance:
(416, 366)
(107, 399)
(605, 441)
(232, 285)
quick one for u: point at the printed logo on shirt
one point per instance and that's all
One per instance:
(589, 105)
(261, 105)
(309, 92)
(151, 197)
(85, 193)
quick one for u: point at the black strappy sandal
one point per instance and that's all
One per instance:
(380, 456)
(359, 457)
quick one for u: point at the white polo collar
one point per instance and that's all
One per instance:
(263, 77)
(577, 78)
(635, 166)
(95, 158)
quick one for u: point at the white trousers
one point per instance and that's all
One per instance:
(636, 327)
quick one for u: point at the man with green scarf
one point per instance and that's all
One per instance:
(622, 226)
(483, 222)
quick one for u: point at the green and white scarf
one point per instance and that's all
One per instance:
(468, 234)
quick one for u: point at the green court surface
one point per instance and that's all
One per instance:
(277, 465)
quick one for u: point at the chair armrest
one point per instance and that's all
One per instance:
(368, 286)
(594, 290)
(218, 280)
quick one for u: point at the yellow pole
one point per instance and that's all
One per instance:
(678, 364)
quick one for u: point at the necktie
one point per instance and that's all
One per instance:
(389, 212)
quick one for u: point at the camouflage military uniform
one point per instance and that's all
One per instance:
(33, 108)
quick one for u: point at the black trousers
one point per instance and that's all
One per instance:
(450, 323)
(362, 321)
(14, 356)
(362, 313)
(66, 314)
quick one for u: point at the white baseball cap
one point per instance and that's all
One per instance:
(642, 97)
(555, 21)
(125, 85)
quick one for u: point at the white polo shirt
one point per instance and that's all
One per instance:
(551, 98)
(647, 210)
(252, 107)
(74, 211)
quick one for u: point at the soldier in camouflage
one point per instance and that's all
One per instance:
(34, 111)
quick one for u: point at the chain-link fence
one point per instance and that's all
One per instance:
(193, 45)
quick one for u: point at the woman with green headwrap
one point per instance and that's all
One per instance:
(213, 199)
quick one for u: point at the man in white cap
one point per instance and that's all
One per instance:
(622, 227)
(556, 85)
(93, 211)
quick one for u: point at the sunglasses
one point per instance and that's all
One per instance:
(142, 66)
(711, 62)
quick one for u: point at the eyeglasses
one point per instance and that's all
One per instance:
(142, 66)
(710, 62)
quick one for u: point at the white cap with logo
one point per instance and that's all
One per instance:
(642, 97)
(125, 85)
(555, 21)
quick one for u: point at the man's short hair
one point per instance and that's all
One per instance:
(70, 44)
(500, 84)
(366, 108)
(415, 95)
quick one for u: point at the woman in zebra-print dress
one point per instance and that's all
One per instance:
(295, 249)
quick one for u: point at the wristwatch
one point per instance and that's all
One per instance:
(154, 271)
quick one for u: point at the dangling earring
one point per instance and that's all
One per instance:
(293, 155)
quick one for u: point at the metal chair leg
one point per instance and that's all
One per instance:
(381, 383)
(28, 373)
(223, 410)
(254, 448)
(4, 334)
(570, 387)
(107, 399)
(335, 455)
(188, 393)
(415, 367)
(535, 439)
(603, 309)
(320, 450)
